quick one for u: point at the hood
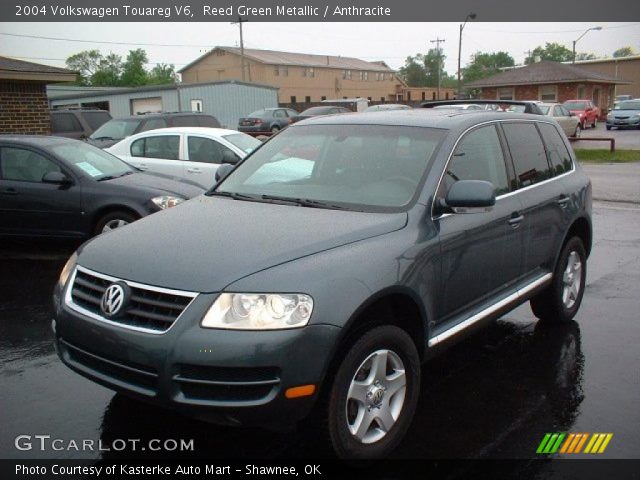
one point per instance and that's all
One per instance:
(159, 184)
(209, 242)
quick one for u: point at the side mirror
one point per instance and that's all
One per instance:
(56, 178)
(471, 196)
(222, 171)
(229, 157)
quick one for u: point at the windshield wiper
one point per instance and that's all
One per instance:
(304, 202)
(234, 195)
(102, 138)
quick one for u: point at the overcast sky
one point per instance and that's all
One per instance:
(391, 42)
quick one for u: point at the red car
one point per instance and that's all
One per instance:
(585, 110)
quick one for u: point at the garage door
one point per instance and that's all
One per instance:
(146, 105)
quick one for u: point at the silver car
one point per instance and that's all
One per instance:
(569, 122)
(625, 114)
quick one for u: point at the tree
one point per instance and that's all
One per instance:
(585, 56)
(623, 52)
(413, 71)
(162, 74)
(133, 72)
(86, 63)
(554, 52)
(486, 64)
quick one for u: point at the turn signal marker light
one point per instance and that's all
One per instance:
(301, 391)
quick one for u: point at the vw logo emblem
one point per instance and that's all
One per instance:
(114, 299)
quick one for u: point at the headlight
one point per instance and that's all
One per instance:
(253, 311)
(610, 116)
(66, 270)
(167, 201)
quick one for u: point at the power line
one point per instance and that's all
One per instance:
(64, 60)
(104, 41)
(553, 31)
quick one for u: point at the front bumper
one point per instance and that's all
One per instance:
(627, 122)
(223, 376)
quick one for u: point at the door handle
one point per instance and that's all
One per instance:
(9, 191)
(516, 219)
(563, 201)
(194, 170)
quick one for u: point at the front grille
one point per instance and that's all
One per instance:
(149, 309)
(138, 378)
(220, 385)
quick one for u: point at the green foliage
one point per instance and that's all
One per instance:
(585, 56)
(552, 51)
(486, 64)
(99, 70)
(422, 70)
(623, 52)
(605, 156)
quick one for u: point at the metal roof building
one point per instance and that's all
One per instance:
(226, 100)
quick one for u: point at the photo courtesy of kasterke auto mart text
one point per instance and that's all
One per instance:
(288, 318)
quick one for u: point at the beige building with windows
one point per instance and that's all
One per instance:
(301, 78)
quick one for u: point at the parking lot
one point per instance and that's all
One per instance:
(627, 139)
(492, 396)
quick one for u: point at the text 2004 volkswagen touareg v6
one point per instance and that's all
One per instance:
(328, 265)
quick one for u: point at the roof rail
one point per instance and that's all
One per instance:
(529, 106)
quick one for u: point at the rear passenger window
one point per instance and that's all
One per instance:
(556, 149)
(478, 156)
(65, 122)
(161, 146)
(527, 151)
(153, 124)
(185, 121)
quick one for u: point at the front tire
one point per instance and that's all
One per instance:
(114, 220)
(560, 301)
(578, 131)
(595, 122)
(608, 127)
(374, 395)
(275, 129)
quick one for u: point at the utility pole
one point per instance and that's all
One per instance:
(240, 22)
(438, 41)
(471, 16)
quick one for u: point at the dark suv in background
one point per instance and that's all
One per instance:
(115, 130)
(322, 272)
(77, 123)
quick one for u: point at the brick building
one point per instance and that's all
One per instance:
(627, 68)
(24, 107)
(550, 82)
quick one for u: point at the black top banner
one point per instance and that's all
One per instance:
(316, 10)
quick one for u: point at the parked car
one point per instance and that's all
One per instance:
(324, 292)
(462, 106)
(193, 153)
(384, 107)
(585, 110)
(77, 123)
(115, 130)
(53, 186)
(626, 114)
(267, 121)
(322, 110)
(568, 121)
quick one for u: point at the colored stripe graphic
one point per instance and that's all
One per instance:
(572, 443)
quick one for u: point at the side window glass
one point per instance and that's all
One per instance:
(161, 146)
(279, 114)
(204, 150)
(556, 149)
(527, 151)
(154, 123)
(23, 165)
(478, 156)
(65, 122)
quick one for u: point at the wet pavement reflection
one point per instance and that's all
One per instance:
(493, 395)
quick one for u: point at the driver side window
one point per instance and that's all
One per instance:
(478, 156)
(23, 165)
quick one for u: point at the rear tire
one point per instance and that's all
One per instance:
(560, 301)
(578, 131)
(374, 394)
(275, 129)
(114, 220)
(595, 122)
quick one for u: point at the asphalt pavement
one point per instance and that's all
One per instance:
(494, 395)
(627, 139)
(615, 182)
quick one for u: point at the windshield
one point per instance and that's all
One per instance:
(116, 129)
(628, 105)
(363, 167)
(243, 141)
(576, 105)
(92, 161)
(317, 111)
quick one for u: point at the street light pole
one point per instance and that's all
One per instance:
(462, 25)
(578, 39)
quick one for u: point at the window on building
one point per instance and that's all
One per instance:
(323, 97)
(364, 76)
(409, 96)
(528, 153)
(307, 99)
(285, 71)
(308, 72)
(548, 93)
(382, 99)
(293, 99)
(346, 74)
(581, 91)
(424, 95)
(506, 94)
(433, 95)
(446, 96)
(369, 98)
(276, 71)
(196, 105)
